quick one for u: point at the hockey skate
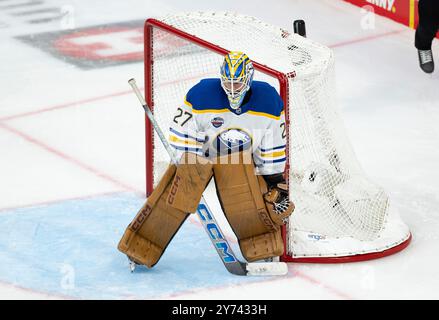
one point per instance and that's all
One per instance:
(426, 61)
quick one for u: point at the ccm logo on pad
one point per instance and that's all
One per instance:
(141, 217)
(174, 189)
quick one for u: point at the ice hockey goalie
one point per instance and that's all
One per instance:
(231, 129)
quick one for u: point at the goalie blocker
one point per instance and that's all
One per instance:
(254, 211)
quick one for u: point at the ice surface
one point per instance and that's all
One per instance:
(72, 162)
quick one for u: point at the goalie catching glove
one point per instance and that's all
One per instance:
(277, 199)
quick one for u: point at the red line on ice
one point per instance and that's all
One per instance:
(50, 202)
(63, 106)
(333, 290)
(291, 275)
(364, 39)
(88, 100)
(68, 158)
(46, 295)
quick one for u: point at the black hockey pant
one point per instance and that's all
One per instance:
(428, 23)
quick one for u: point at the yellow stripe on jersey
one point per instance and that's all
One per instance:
(210, 111)
(263, 114)
(173, 138)
(273, 154)
(187, 102)
(255, 113)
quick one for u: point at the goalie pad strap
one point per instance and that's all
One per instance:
(262, 246)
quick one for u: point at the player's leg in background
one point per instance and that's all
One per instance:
(425, 33)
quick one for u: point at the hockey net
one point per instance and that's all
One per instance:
(340, 215)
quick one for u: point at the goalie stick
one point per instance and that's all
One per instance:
(222, 246)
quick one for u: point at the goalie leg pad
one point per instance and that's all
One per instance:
(241, 196)
(263, 246)
(148, 235)
(192, 176)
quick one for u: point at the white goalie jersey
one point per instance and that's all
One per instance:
(205, 124)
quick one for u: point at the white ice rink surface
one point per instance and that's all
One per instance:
(68, 134)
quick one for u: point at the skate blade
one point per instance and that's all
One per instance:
(132, 266)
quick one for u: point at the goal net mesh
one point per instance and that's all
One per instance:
(339, 212)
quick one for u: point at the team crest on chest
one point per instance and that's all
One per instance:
(232, 140)
(217, 122)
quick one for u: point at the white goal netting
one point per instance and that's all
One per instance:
(339, 212)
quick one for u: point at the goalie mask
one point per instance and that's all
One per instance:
(236, 77)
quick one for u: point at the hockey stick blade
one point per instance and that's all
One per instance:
(228, 257)
(267, 269)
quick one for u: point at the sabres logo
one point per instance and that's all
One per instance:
(232, 140)
(217, 122)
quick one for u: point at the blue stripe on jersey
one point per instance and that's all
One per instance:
(186, 136)
(275, 148)
(185, 148)
(275, 161)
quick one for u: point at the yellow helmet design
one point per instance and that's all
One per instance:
(236, 77)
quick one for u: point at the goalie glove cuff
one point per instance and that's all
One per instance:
(273, 179)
